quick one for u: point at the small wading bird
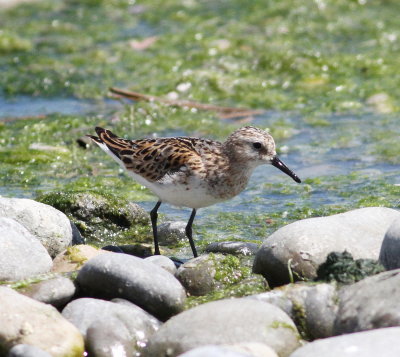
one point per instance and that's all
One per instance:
(192, 172)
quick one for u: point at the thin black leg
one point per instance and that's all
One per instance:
(153, 217)
(189, 232)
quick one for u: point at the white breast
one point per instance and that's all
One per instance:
(193, 195)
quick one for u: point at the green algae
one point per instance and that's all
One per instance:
(315, 73)
(74, 255)
(329, 56)
(281, 324)
(341, 267)
(24, 283)
(233, 278)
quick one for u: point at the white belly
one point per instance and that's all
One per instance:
(193, 195)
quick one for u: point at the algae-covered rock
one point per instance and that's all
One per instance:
(74, 257)
(102, 217)
(296, 250)
(215, 272)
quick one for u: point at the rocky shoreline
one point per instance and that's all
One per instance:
(60, 297)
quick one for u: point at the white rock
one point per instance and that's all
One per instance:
(305, 244)
(370, 303)
(230, 321)
(22, 255)
(49, 225)
(381, 342)
(27, 321)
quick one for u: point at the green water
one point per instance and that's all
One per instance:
(324, 72)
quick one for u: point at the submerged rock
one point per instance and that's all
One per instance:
(229, 321)
(300, 247)
(115, 275)
(50, 226)
(27, 321)
(99, 217)
(22, 255)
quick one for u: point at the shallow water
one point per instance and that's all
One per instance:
(337, 162)
(26, 106)
(326, 73)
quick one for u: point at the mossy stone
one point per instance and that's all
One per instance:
(102, 218)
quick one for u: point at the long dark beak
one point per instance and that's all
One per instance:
(276, 161)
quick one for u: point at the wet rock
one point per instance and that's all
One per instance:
(305, 244)
(115, 275)
(112, 248)
(57, 291)
(229, 321)
(341, 267)
(73, 258)
(170, 233)
(27, 351)
(369, 304)
(211, 272)
(313, 307)
(234, 248)
(27, 321)
(100, 216)
(76, 235)
(380, 342)
(109, 338)
(22, 255)
(141, 250)
(163, 262)
(49, 225)
(109, 323)
(389, 255)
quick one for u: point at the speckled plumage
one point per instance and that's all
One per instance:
(193, 172)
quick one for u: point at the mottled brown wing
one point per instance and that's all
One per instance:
(153, 159)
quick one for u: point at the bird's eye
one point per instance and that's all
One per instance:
(257, 145)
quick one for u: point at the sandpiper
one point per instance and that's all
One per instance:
(192, 172)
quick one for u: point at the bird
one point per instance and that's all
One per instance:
(192, 172)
